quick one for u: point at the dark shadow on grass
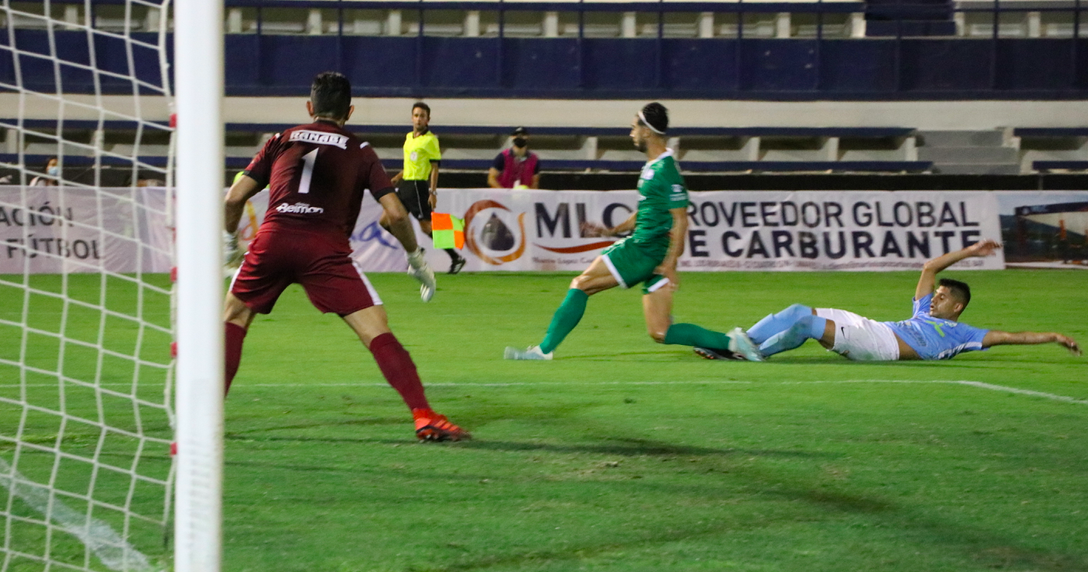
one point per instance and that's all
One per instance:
(835, 360)
(986, 551)
(291, 467)
(358, 422)
(637, 448)
(971, 363)
(301, 439)
(983, 547)
(652, 350)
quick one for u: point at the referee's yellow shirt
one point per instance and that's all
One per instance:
(418, 154)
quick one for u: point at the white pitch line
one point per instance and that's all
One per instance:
(1031, 392)
(109, 546)
(968, 383)
(978, 384)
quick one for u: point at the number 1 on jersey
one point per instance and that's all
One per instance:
(308, 161)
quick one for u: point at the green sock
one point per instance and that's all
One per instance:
(692, 335)
(565, 319)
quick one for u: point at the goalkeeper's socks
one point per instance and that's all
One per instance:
(565, 319)
(775, 323)
(398, 369)
(232, 343)
(804, 328)
(692, 335)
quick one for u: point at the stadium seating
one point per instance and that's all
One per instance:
(608, 149)
(577, 149)
(1053, 149)
(701, 149)
(808, 50)
(811, 51)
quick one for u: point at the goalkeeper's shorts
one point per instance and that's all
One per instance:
(319, 261)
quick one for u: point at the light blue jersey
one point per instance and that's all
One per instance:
(934, 338)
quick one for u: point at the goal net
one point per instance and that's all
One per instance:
(86, 312)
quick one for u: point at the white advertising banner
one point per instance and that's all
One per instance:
(69, 229)
(51, 229)
(525, 230)
(834, 230)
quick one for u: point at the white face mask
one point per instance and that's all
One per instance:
(53, 171)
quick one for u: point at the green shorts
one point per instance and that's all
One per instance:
(631, 263)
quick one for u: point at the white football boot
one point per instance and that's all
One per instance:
(532, 353)
(740, 343)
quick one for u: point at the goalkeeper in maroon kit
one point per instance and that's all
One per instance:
(317, 175)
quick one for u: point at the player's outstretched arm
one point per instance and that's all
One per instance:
(594, 229)
(235, 204)
(935, 266)
(999, 338)
(401, 227)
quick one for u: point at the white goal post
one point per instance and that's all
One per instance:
(198, 76)
(92, 401)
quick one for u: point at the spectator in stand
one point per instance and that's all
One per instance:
(516, 167)
(51, 176)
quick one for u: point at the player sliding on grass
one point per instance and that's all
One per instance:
(648, 256)
(933, 332)
(317, 175)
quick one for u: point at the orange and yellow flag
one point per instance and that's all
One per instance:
(447, 230)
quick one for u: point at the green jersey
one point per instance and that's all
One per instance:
(661, 188)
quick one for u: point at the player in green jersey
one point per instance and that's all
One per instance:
(648, 256)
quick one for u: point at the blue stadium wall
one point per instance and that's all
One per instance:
(784, 69)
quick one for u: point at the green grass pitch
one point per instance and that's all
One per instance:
(626, 455)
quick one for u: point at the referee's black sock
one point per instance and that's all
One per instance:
(453, 253)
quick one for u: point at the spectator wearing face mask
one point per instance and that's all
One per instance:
(52, 175)
(516, 167)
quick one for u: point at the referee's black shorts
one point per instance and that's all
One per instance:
(416, 198)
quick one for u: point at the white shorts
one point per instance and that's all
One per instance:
(861, 339)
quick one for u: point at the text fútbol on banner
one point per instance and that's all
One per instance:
(77, 229)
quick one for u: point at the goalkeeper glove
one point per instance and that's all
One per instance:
(232, 255)
(420, 270)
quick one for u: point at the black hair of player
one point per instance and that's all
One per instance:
(423, 106)
(331, 95)
(960, 290)
(656, 117)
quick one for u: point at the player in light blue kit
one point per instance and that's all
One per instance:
(932, 333)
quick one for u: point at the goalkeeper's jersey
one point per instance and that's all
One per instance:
(317, 175)
(660, 188)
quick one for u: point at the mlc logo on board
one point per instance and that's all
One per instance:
(494, 240)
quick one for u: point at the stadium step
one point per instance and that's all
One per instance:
(984, 155)
(969, 152)
(961, 138)
(976, 169)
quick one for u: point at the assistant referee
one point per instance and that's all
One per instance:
(417, 183)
